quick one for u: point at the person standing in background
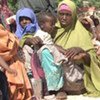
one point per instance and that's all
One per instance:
(5, 12)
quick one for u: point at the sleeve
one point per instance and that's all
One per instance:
(44, 36)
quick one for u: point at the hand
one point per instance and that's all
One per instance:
(89, 20)
(36, 40)
(79, 56)
(33, 41)
(72, 52)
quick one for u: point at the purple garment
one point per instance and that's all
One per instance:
(37, 70)
(30, 28)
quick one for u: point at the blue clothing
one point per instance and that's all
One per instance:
(53, 73)
(30, 28)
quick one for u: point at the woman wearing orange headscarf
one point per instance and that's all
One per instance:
(19, 85)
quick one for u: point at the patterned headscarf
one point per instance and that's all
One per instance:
(30, 28)
(64, 7)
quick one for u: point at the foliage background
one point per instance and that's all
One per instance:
(13, 5)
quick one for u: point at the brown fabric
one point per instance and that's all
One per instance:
(20, 87)
(74, 88)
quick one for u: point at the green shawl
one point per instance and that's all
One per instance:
(22, 41)
(78, 36)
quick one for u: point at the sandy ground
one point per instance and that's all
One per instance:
(73, 97)
(81, 97)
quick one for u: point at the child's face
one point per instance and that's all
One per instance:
(24, 21)
(49, 25)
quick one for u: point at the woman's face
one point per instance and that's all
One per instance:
(24, 21)
(65, 18)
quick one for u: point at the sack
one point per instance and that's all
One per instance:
(73, 79)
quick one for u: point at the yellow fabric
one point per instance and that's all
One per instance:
(78, 36)
(22, 41)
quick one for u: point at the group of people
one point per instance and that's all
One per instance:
(48, 55)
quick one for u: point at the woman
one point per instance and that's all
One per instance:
(73, 37)
(19, 85)
(27, 26)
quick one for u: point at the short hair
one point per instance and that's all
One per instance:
(42, 17)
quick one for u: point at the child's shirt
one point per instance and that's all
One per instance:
(44, 36)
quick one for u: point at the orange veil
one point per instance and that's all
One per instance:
(20, 87)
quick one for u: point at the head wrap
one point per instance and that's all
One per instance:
(32, 27)
(64, 7)
(72, 7)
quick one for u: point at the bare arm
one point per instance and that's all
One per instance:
(6, 67)
(78, 54)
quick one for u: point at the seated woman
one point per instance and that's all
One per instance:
(27, 26)
(73, 37)
(47, 22)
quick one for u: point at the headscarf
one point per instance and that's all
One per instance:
(33, 27)
(65, 36)
(64, 7)
(78, 36)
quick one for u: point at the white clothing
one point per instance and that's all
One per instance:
(45, 37)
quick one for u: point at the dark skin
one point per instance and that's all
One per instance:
(34, 41)
(73, 53)
(29, 41)
(77, 53)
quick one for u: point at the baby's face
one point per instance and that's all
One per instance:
(24, 21)
(49, 25)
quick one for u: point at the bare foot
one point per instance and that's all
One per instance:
(61, 96)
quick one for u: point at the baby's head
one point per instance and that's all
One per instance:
(46, 21)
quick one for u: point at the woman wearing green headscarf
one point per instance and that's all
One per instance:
(73, 37)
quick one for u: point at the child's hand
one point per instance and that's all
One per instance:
(12, 71)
